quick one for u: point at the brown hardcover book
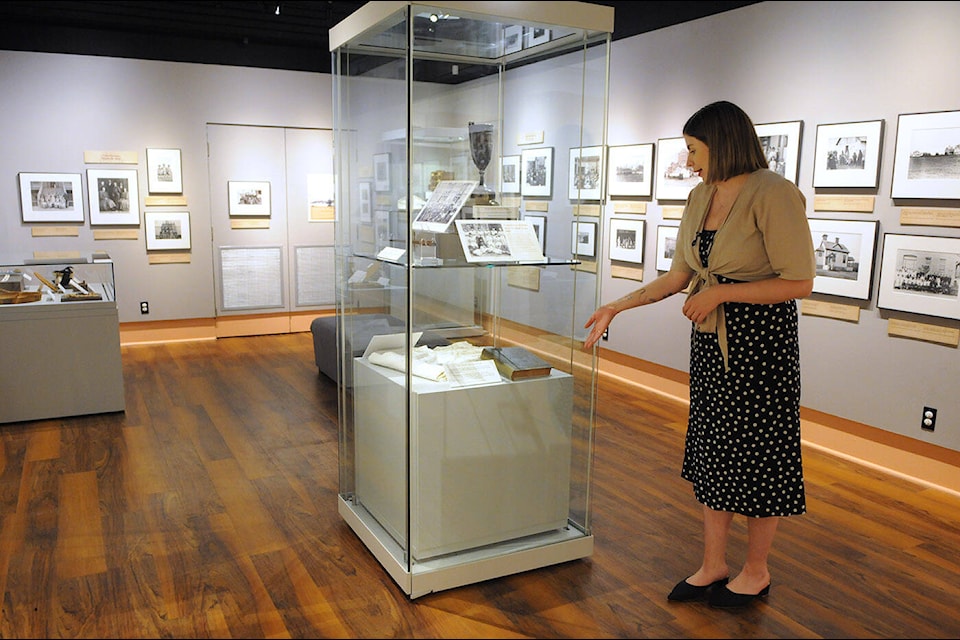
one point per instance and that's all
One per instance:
(516, 363)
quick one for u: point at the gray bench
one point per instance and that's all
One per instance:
(324, 330)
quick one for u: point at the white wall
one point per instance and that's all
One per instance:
(822, 63)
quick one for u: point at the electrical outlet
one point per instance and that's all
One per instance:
(144, 308)
(929, 419)
(606, 334)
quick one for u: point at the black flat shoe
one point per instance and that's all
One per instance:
(686, 592)
(723, 598)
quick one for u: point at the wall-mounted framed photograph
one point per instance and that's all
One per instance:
(536, 172)
(114, 196)
(381, 171)
(164, 171)
(675, 179)
(926, 163)
(51, 197)
(781, 145)
(540, 228)
(848, 154)
(533, 36)
(630, 170)
(510, 174)
(666, 245)
(626, 240)
(586, 173)
(845, 251)
(920, 274)
(366, 202)
(584, 239)
(512, 39)
(167, 230)
(248, 198)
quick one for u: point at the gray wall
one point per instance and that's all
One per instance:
(55, 107)
(819, 62)
(822, 63)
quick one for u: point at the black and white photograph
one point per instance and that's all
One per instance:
(586, 173)
(630, 170)
(381, 172)
(164, 172)
(167, 230)
(848, 154)
(499, 241)
(781, 145)
(584, 239)
(444, 204)
(920, 274)
(536, 172)
(114, 196)
(534, 36)
(666, 246)
(510, 174)
(626, 240)
(927, 158)
(512, 39)
(539, 227)
(844, 251)
(51, 197)
(675, 179)
(247, 198)
(366, 203)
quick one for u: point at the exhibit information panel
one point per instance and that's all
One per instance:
(450, 123)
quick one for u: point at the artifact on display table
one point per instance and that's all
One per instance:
(516, 363)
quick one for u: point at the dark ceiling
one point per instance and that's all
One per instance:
(244, 33)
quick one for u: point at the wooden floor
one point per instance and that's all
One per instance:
(208, 509)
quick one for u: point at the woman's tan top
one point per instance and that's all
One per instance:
(765, 235)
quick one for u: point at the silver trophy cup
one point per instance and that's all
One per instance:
(481, 148)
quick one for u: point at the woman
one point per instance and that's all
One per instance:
(745, 244)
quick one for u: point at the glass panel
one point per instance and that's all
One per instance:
(439, 472)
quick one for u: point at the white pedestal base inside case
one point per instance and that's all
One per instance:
(468, 567)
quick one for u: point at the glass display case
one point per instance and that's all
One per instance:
(459, 461)
(59, 321)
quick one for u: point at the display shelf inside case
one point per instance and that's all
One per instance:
(449, 484)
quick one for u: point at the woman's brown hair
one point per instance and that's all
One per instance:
(730, 136)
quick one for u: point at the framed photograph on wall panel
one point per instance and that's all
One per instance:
(540, 228)
(630, 170)
(584, 240)
(381, 171)
(926, 163)
(848, 154)
(164, 172)
(114, 196)
(512, 39)
(626, 240)
(781, 145)
(920, 274)
(533, 36)
(845, 251)
(586, 173)
(666, 245)
(536, 172)
(248, 198)
(51, 197)
(510, 174)
(674, 178)
(167, 230)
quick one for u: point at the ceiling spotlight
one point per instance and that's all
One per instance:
(434, 17)
(277, 11)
